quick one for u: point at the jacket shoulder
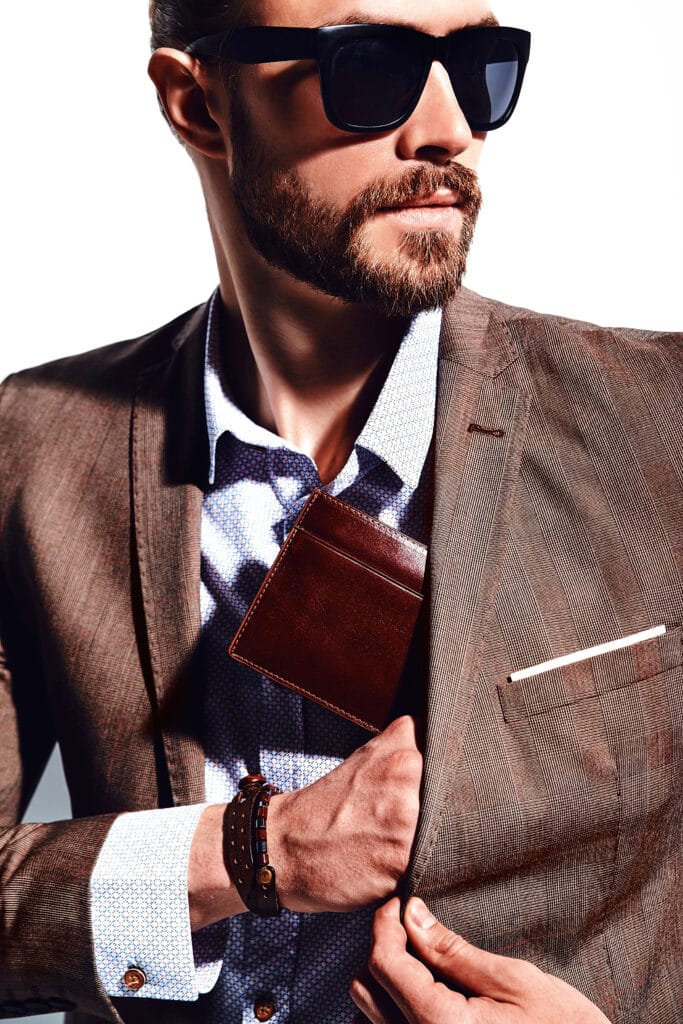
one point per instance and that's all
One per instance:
(110, 366)
(61, 408)
(488, 336)
(533, 326)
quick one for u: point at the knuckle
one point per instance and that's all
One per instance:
(448, 945)
(378, 965)
(397, 865)
(407, 764)
(527, 972)
(381, 915)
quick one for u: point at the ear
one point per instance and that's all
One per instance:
(184, 88)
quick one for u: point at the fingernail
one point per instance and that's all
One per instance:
(420, 914)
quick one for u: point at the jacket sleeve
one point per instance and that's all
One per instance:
(46, 951)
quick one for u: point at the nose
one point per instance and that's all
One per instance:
(436, 130)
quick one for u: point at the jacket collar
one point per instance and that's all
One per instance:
(475, 334)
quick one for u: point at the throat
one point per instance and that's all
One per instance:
(326, 430)
(316, 398)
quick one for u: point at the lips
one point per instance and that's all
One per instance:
(437, 199)
(442, 198)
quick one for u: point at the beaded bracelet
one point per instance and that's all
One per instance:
(264, 893)
(245, 846)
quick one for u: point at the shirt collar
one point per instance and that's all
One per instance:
(222, 414)
(399, 428)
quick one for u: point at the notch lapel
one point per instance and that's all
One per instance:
(480, 427)
(169, 450)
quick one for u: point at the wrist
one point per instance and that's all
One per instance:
(212, 895)
(279, 851)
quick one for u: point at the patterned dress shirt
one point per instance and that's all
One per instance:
(300, 963)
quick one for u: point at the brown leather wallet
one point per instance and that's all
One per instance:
(335, 615)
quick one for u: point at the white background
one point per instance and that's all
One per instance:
(103, 227)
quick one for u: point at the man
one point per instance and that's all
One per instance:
(146, 488)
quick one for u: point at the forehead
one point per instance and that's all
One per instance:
(435, 16)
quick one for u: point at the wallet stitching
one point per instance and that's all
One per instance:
(356, 561)
(278, 561)
(307, 693)
(351, 510)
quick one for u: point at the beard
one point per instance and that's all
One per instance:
(312, 240)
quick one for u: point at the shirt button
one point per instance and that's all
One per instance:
(134, 978)
(264, 1008)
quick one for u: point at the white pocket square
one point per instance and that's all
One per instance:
(588, 652)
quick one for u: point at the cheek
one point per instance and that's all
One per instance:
(285, 108)
(286, 112)
(339, 172)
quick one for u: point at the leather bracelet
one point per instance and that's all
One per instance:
(237, 851)
(245, 852)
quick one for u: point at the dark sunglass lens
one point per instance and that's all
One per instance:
(485, 71)
(374, 81)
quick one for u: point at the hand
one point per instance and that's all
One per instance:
(504, 991)
(344, 842)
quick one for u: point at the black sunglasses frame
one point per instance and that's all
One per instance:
(268, 44)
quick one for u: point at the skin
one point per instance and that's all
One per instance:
(400, 987)
(310, 367)
(315, 395)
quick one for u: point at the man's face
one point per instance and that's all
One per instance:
(340, 210)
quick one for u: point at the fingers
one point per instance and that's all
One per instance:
(376, 1006)
(409, 983)
(502, 988)
(482, 973)
(402, 731)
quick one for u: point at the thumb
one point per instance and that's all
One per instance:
(471, 968)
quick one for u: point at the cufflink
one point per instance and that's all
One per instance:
(134, 978)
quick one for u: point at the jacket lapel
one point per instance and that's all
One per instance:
(480, 426)
(169, 449)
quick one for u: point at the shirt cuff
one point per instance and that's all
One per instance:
(139, 909)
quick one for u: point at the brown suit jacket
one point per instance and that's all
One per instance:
(551, 820)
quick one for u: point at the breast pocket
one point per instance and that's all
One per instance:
(565, 805)
(611, 728)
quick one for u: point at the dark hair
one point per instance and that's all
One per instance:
(179, 22)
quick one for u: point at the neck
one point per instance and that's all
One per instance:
(302, 364)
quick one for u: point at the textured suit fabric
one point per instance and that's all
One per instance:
(551, 819)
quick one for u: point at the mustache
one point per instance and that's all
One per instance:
(418, 183)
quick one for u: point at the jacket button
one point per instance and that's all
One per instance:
(134, 978)
(264, 1008)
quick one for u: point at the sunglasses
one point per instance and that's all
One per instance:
(372, 76)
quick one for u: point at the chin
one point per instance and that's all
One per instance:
(388, 240)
